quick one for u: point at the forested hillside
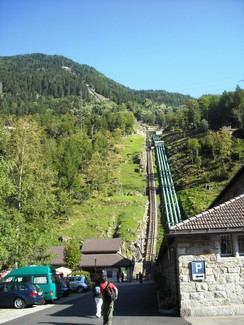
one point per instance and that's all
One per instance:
(71, 164)
(205, 143)
(29, 76)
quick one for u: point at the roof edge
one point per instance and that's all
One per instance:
(174, 228)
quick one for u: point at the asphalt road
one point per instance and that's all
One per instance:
(136, 305)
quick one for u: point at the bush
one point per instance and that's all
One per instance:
(85, 273)
(220, 174)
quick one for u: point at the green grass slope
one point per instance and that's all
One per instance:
(196, 187)
(120, 215)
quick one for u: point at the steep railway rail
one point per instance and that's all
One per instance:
(152, 222)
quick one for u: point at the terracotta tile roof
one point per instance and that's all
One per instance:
(104, 260)
(58, 251)
(228, 216)
(101, 245)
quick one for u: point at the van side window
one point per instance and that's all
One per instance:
(54, 278)
(40, 279)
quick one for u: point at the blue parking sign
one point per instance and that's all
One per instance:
(198, 270)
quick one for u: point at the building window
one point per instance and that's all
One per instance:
(225, 245)
(109, 273)
(240, 239)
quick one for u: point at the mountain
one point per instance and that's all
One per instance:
(52, 75)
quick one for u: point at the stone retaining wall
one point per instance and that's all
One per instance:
(222, 291)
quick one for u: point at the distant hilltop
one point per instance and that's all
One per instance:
(58, 76)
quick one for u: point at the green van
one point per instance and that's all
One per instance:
(44, 276)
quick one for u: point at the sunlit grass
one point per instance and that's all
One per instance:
(131, 180)
(118, 215)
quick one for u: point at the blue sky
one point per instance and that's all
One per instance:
(192, 47)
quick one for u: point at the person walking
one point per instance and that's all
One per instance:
(97, 296)
(109, 294)
(140, 277)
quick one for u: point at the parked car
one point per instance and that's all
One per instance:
(78, 283)
(65, 287)
(43, 276)
(20, 294)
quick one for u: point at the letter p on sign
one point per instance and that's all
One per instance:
(198, 267)
(198, 270)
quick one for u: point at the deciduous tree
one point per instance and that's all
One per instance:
(30, 203)
(72, 254)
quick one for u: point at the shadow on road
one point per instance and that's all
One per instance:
(136, 304)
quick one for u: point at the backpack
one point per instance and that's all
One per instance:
(109, 294)
(97, 290)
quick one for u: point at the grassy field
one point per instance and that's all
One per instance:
(119, 215)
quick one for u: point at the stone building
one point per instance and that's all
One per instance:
(201, 259)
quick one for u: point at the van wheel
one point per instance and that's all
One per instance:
(19, 303)
(80, 289)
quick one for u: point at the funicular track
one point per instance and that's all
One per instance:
(152, 221)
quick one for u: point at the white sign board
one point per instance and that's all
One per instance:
(198, 270)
